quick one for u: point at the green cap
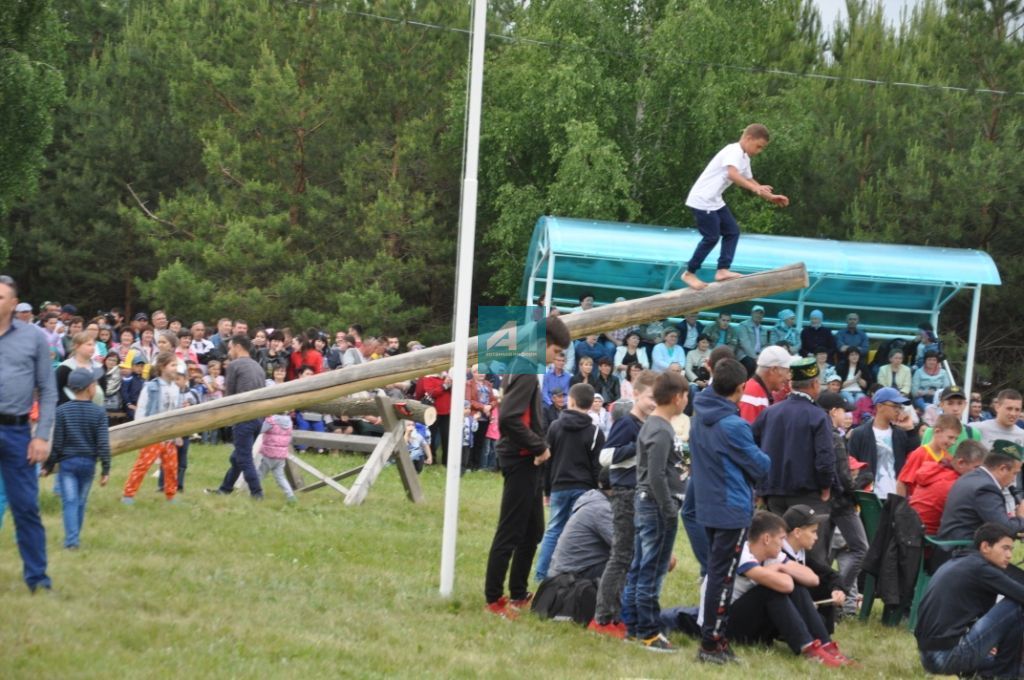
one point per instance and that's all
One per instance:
(804, 369)
(1007, 448)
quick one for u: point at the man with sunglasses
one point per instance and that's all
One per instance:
(885, 442)
(24, 368)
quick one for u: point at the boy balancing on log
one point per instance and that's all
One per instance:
(730, 166)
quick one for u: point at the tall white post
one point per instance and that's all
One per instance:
(972, 344)
(463, 295)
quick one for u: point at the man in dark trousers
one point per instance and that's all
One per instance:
(521, 451)
(244, 375)
(977, 497)
(961, 630)
(797, 436)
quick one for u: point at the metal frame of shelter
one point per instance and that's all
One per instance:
(893, 287)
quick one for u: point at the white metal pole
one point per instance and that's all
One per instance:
(972, 344)
(463, 295)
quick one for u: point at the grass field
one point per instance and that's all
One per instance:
(218, 587)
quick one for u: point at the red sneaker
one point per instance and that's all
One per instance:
(833, 649)
(611, 629)
(521, 604)
(816, 652)
(500, 607)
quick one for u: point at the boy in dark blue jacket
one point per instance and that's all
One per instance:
(726, 464)
(131, 385)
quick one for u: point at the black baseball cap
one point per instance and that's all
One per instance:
(831, 400)
(802, 516)
(953, 392)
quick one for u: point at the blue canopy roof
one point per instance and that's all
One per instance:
(894, 287)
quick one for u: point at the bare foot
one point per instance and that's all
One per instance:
(725, 275)
(691, 280)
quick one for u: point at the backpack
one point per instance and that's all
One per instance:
(566, 598)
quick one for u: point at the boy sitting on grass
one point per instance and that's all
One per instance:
(771, 600)
(80, 437)
(659, 495)
(802, 533)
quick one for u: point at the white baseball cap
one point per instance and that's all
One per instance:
(774, 357)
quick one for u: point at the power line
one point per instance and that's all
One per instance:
(679, 62)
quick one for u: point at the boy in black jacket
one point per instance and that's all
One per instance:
(955, 635)
(621, 450)
(521, 451)
(575, 443)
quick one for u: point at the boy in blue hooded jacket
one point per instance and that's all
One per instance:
(726, 464)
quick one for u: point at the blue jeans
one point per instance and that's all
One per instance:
(488, 461)
(244, 435)
(1002, 627)
(652, 552)
(714, 225)
(559, 511)
(74, 479)
(22, 485)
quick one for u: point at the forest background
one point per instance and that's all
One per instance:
(299, 162)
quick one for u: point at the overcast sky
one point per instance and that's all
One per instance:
(831, 9)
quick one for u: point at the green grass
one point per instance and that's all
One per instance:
(224, 587)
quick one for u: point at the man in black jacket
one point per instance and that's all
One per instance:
(977, 497)
(797, 436)
(885, 442)
(521, 451)
(956, 635)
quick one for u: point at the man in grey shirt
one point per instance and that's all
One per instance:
(586, 542)
(24, 368)
(243, 375)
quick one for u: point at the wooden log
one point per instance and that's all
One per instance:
(338, 477)
(319, 475)
(317, 389)
(336, 442)
(367, 406)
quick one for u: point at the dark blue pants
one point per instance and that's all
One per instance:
(763, 614)
(714, 225)
(21, 482)
(182, 467)
(724, 549)
(244, 436)
(694, 531)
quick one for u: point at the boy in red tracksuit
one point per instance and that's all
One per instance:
(933, 482)
(521, 451)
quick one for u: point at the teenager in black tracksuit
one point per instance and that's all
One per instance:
(521, 450)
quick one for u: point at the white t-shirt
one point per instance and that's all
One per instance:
(743, 582)
(991, 431)
(706, 193)
(885, 477)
